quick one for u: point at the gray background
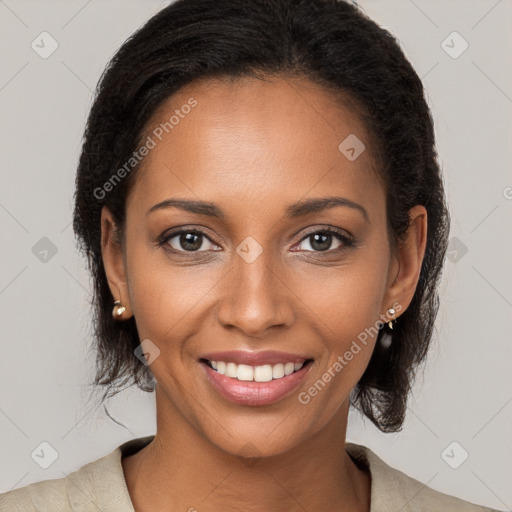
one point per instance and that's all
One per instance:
(464, 394)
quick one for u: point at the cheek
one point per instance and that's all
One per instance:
(347, 299)
(167, 299)
(347, 304)
(347, 313)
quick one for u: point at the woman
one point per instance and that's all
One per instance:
(264, 217)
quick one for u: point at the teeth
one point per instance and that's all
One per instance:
(231, 370)
(244, 372)
(278, 371)
(289, 368)
(264, 373)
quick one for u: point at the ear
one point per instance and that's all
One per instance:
(406, 264)
(113, 261)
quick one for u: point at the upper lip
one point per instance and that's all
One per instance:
(255, 358)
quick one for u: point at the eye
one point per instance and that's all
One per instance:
(321, 241)
(187, 240)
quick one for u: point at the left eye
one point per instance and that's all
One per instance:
(320, 241)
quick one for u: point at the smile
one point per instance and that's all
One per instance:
(271, 377)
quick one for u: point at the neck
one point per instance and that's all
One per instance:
(182, 470)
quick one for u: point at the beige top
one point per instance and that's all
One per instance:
(100, 486)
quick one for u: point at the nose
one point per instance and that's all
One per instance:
(256, 297)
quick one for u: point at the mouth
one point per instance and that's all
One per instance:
(255, 384)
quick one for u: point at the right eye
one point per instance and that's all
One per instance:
(186, 240)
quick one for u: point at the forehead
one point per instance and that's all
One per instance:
(264, 141)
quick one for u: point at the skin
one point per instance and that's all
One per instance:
(254, 147)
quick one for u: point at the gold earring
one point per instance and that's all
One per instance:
(391, 312)
(118, 309)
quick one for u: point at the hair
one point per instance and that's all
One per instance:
(333, 44)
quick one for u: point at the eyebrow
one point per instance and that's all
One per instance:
(294, 210)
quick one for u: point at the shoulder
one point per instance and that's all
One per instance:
(39, 496)
(98, 485)
(393, 490)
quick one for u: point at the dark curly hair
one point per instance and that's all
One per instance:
(333, 44)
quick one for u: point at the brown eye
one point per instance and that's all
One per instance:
(187, 241)
(322, 241)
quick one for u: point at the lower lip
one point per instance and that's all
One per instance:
(255, 393)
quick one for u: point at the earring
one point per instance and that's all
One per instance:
(118, 309)
(391, 312)
(386, 339)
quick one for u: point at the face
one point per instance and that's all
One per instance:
(254, 269)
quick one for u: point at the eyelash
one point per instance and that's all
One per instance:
(346, 240)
